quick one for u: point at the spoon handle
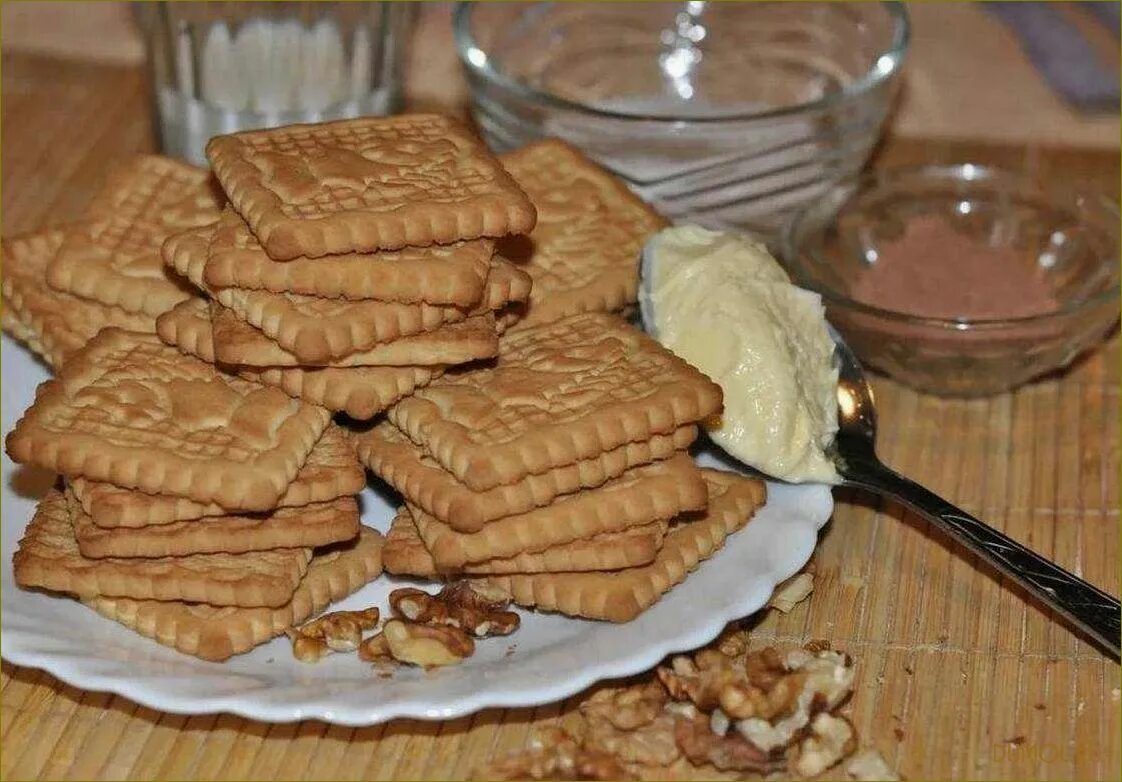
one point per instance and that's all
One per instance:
(1089, 608)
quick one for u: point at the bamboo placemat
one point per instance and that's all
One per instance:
(958, 677)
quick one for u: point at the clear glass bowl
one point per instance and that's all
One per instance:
(1069, 238)
(727, 114)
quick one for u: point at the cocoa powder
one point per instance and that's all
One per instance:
(936, 271)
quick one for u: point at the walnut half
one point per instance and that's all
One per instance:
(458, 605)
(339, 631)
(428, 646)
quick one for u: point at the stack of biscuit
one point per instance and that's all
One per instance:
(583, 253)
(355, 262)
(200, 510)
(64, 283)
(559, 473)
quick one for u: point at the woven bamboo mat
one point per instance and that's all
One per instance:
(958, 677)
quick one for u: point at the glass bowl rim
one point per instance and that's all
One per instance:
(963, 172)
(893, 55)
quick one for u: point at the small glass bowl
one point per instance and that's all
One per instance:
(726, 114)
(1072, 237)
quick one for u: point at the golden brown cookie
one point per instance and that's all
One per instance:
(318, 331)
(642, 495)
(622, 595)
(584, 250)
(53, 324)
(360, 185)
(359, 392)
(115, 258)
(331, 470)
(218, 633)
(131, 411)
(48, 558)
(422, 482)
(559, 392)
(405, 553)
(440, 274)
(236, 342)
(306, 526)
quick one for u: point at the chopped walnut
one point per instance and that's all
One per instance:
(428, 646)
(555, 754)
(831, 739)
(632, 724)
(339, 631)
(731, 752)
(465, 606)
(375, 649)
(761, 687)
(814, 682)
(868, 766)
(792, 592)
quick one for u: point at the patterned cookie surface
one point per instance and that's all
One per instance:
(367, 184)
(131, 411)
(306, 526)
(405, 553)
(115, 258)
(622, 595)
(584, 250)
(53, 324)
(439, 274)
(643, 495)
(48, 558)
(560, 392)
(395, 459)
(214, 633)
(331, 470)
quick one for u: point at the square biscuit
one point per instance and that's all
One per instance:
(361, 185)
(422, 482)
(213, 333)
(114, 258)
(439, 274)
(641, 496)
(405, 554)
(332, 470)
(131, 411)
(218, 633)
(622, 595)
(49, 558)
(559, 392)
(53, 324)
(236, 342)
(359, 392)
(306, 526)
(318, 330)
(583, 253)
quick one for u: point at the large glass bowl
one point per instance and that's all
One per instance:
(1068, 238)
(727, 114)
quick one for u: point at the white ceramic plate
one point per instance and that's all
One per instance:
(549, 658)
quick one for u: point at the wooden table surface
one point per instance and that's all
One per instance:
(958, 676)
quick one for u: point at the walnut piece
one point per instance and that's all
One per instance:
(811, 683)
(792, 592)
(375, 649)
(555, 754)
(428, 646)
(731, 752)
(631, 723)
(831, 739)
(465, 606)
(338, 631)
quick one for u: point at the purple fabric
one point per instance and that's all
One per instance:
(1061, 54)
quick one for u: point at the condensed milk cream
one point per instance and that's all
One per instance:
(722, 303)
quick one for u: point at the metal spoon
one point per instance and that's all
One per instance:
(854, 453)
(1090, 609)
